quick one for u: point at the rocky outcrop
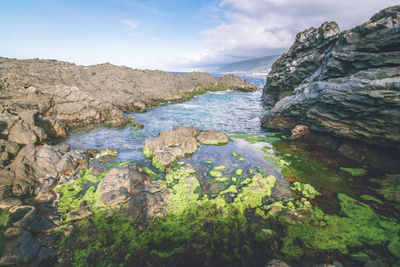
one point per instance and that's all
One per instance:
(301, 61)
(346, 84)
(101, 93)
(182, 141)
(144, 198)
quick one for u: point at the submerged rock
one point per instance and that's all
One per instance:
(346, 84)
(182, 141)
(212, 138)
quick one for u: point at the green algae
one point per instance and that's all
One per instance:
(360, 256)
(215, 174)
(179, 173)
(157, 164)
(150, 172)
(236, 155)
(322, 232)
(231, 189)
(257, 138)
(394, 246)
(116, 164)
(146, 152)
(306, 190)
(371, 198)
(184, 193)
(252, 194)
(264, 236)
(4, 224)
(181, 230)
(241, 159)
(238, 172)
(208, 162)
(73, 194)
(219, 168)
(390, 188)
(354, 171)
(222, 179)
(134, 124)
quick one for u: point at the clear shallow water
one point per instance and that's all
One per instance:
(231, 112)
(235, 112)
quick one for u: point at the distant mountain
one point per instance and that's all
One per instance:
(255, 66)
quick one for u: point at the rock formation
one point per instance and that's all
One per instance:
(182, 141)
(346, 84)
(79, 95)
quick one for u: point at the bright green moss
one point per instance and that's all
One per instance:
(179, 173)
(257, 138)
(73, 194)
(219, 168)
(252, 194)
(236, 155)
(306, 190)
(394, 246)
(371, 198)
(150, 173)
(146, 152)
(208, 162)
(231, 189)
(134, 124)
(157, 164)
(241, 159)
(238, 172)
(215, 174)
(354, 171)
(390, 188)
(360, 256)
(186, 191)
(360, 225)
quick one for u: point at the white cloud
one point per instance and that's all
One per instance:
(130, 23)
(255, 28)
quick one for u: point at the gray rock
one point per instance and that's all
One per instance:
(171, 145)
(21, 247)
(79, 95)
(145, 198)
(352, 90)
(212, 138)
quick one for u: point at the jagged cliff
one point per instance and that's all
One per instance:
(342, 83)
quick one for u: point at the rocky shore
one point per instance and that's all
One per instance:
(81, 95)
(39, 101)
(344, 84)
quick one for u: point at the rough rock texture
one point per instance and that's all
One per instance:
(351, 90)
(300, 131)
(36, 169)
(303, 59)
(212, 137)
(101, 93)
(145, 199)
(178, 143)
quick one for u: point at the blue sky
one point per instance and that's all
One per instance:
(166, 34)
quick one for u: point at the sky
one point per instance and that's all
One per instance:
(166, 34)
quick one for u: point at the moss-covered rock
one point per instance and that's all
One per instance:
(354, 171)
(322, 232)
(306, 190)
(252, 194)
(215, 174)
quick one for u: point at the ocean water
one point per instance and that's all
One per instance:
(232, 112)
